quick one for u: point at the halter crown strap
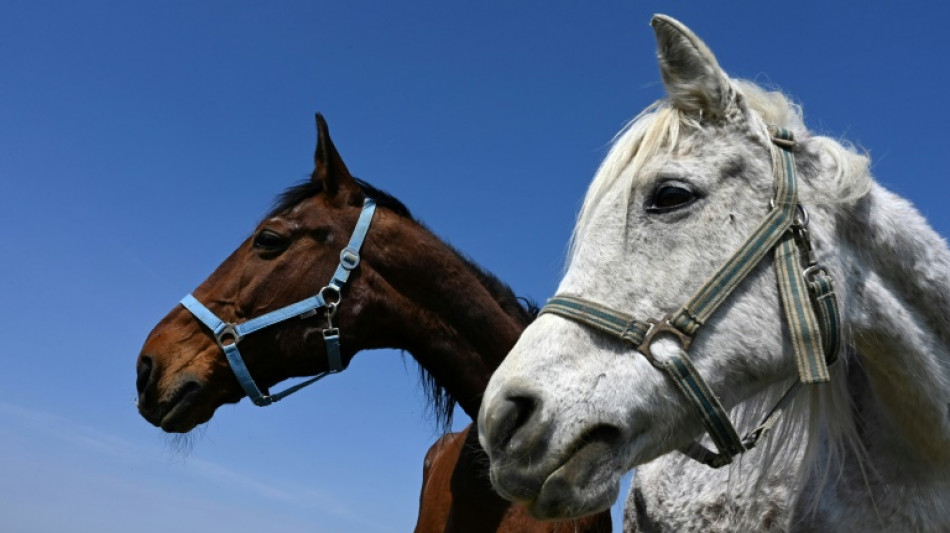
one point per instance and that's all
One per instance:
(228, 335)
(808, 301)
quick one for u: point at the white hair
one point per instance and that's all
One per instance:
(657, 130)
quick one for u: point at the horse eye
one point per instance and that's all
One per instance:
(269, 241)
(670, 196)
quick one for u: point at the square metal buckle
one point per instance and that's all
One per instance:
(349, 258)
(662, 327)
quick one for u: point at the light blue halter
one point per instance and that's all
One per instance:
(228, 335)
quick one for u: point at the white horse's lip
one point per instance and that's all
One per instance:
(586, 482)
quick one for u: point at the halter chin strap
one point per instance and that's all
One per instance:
(808, 302)
(228, 335)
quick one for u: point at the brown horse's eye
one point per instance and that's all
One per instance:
(269, 241)
(670, 196)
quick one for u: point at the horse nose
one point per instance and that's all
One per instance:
(512, 423)
(144, 370)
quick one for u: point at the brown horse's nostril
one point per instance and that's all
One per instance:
(143, 374)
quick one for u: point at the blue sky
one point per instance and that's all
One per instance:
(140, 143)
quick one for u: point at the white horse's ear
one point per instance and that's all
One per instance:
(691, 75)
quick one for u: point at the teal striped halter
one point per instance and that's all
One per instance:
(808, 301)
(227, 335)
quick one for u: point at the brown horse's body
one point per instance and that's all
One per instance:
(411, 291)
(457, 496)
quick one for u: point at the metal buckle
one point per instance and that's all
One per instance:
(328, 291)
(660, 327)
(349, 258)
(229, 331)
(812, 272)
(331, 332)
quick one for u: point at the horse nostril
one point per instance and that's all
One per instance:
(509, 417)
(143, 373)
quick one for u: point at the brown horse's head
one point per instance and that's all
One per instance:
(183, 375)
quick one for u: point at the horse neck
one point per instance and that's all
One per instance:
(896, 274)
(457, 322)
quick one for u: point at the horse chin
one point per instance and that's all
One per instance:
(587, 483)
(187, 408)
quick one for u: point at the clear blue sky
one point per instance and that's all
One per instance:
(141, 142)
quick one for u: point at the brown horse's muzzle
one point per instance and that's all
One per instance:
(181, 376)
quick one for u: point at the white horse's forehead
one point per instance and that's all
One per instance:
(705, 157)
(626, 257)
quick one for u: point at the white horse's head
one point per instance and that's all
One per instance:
(571, 409)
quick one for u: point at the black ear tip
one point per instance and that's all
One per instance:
(321, 123)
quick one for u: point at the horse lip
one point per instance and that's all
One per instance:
(178, 416)
(589, 457)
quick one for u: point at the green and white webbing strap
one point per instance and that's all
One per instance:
(822, 293)
(803, 325)
(615, 323)
(808, 302)
(678, 367)
(776, 224)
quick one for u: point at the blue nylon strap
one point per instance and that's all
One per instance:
(279, 315)
(350, 256)
(334, 357)
(349, 260)
(216, 325)
(203, 314)
(244, 376)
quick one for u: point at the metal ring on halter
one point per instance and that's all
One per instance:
(810, 272)
(801, 221)
(349, 258)
(230, 330)
(337, 296)
(661, 327)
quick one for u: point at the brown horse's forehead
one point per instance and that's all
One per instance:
(310, 211)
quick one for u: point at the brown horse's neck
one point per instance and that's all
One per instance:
(455, 320)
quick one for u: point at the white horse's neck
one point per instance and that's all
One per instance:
(897, 274)
(895, 279)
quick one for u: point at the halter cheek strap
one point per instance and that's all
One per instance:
(228, 335)
(808, 302)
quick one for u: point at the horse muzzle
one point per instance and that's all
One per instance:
(554, 482)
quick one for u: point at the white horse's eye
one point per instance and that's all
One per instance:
(670, 196)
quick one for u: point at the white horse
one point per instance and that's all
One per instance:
(684, 186)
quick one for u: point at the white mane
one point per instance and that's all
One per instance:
(658, 128)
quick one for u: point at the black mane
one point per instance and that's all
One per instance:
(525, 310)
(310, 188)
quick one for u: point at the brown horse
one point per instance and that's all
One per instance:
(457, 496)
(408, 290)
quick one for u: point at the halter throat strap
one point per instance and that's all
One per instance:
(228, 334)
(808, 302)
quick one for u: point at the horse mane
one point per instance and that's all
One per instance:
(658, 129)
(439, 401)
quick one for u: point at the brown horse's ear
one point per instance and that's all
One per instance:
(328, 165)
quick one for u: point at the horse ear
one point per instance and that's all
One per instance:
(328, 165)
(693, 79)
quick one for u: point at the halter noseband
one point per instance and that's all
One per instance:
(227, 335)
(808, 302)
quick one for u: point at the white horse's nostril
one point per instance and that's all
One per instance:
(511, 423)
